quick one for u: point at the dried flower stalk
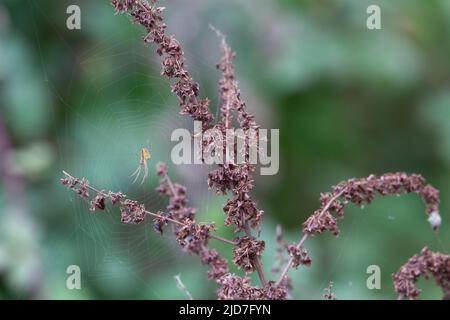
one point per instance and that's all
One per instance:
(329, 295)
(173, 66)
(241, 210)
(192, 237)
(426, 264)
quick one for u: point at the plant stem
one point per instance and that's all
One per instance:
(169, 182)
(305, 236)
(148, 212)
(256, 260)
(291, 260)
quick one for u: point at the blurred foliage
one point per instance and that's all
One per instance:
(348, 101)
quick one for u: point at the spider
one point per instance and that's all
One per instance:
(145, 156)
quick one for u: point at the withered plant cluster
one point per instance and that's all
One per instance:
(426, 264)
(235, 180)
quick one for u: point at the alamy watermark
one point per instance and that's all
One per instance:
(73, 21)
(374, 280)
(73, 281)
(234, 146)
(373, 21)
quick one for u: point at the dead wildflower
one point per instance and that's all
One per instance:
(299, 256)
(124, 5)
(177, 208)
(218, 265)
(245, 252)
(426, 264)
(241, 210)
(173, 66)
(132, 212)
(98, 202)
(272, 292)
(233, 287)
(159, 222)
(329, 295)
(227, 178)
(116, 197)
(80, 186)
(191, 236)
(161, 169)
(362, 192)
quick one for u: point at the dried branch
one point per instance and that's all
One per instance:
(426, 264)
(173, 66)
(191, 236)
(329, 295)
(362, 192)
(241, 210)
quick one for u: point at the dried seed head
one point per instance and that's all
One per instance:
(299, 256)
(173, 66)
(161, 169)
(98, 202)
(427, 264)
(363, 191)
(132, 212)
(159, 222)
(329, 295)
(218, 265)
(116, 197)
(245, 252)
(233, 287)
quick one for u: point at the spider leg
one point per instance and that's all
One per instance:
(145, 173)
(136, 174)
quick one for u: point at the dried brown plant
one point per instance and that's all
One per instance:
(241, 210)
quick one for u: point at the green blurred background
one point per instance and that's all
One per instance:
(348, 102)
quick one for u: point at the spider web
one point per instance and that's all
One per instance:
(101, 139)
(102, 136)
